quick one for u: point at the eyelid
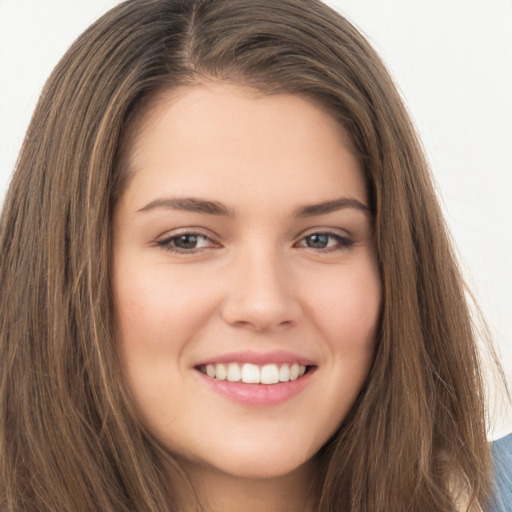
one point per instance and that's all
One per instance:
(325, 230)
(320, 230)
(345, 240)
(164, 240)
(187, 230)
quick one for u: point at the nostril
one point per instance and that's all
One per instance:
(247, 312)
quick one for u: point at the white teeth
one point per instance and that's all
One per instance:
(294, 371)
(250, 374)
(284, 373)
(254, 374)
(234, 374)
(269, 374)
(220, 372)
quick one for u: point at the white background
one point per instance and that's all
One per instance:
(452, 61)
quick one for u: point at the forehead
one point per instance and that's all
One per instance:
(221, 137)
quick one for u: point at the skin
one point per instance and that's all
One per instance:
(257, 280)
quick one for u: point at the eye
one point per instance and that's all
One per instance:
(187, 242)
(325, 241)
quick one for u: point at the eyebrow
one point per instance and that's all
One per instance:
(192, 204)
(332, 206)
(189, 204)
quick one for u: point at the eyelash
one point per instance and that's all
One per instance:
(168, 243)
(343, 243)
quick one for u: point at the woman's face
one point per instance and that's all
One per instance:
(243, 250)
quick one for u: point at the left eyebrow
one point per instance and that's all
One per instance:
(332, 206)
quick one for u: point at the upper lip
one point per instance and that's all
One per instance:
(258, 358)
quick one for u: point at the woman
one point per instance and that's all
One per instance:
(242, 295)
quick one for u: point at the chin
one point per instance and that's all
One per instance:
(264, 468)
(252, 463)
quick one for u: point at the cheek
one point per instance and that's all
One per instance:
(159, 311)
(347, 308)
(347, 313)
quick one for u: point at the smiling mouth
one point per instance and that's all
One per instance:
(249, 373)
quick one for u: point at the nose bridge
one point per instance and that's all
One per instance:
(261, 290)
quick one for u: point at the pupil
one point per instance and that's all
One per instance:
(186, 241)
(318, 241)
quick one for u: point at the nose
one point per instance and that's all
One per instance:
(261, 294)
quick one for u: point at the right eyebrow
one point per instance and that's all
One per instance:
(189, 204)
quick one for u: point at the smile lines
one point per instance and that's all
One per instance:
(253, 374)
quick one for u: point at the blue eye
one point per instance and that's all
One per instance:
(318, 240)
(326, 242)
(186, 242)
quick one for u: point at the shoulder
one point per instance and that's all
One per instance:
(502, 458)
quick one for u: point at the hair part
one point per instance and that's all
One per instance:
(70, 439)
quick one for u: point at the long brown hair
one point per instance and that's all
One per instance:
(69, 439)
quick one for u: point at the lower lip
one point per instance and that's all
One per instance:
(258, 394)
